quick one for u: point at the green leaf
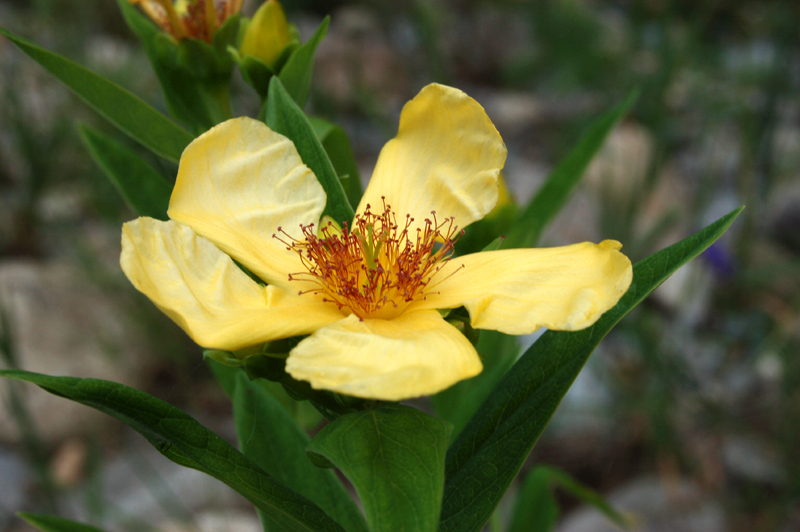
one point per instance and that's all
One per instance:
(183, 440)
(272, 440)
(340, 152)
(122, 108)
(51, 523)
(144, 189)
(554, 193)
(296, 73)
(536, 509)
(285, 117)
(394, 456)
(487, 455)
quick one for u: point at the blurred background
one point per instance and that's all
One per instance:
(688, 414)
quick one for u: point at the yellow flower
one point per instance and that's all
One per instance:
(367, 294)
(197, 19)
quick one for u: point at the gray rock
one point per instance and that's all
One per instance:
(62, 324)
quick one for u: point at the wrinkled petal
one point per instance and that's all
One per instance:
(416, 354)
(445, 158)
(519, 290)
(237, 183)
(207, 295)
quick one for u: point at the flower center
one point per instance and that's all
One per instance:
(374, 268)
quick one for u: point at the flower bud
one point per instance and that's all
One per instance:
(268, 34)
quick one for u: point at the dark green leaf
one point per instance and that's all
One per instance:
(285, 117)
(269, 437)
(554, 193)
(296, 73)
(489, 452)
(123, 109)
(51, 523)
(340, 152)
(302, 412)
(144, 189)
(459, 403)
(394, 456)
(185, 441)
(536, 509)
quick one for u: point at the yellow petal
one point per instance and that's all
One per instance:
(445, 158)
(519, 290)
(416, 354)
(237, 183)
(207, 295)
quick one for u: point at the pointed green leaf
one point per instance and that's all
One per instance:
(554, 193)
(340, 152)
(272, 440)
(185, 441)
(119, 106)
(51, 523)
(585, 494)
(285, 117)
(296, 73)
(394, 456)
(536, 509)
(144, 189)
(487, 455)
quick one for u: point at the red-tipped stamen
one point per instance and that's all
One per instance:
(375, 268)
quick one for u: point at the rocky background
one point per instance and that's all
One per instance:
(687, 416)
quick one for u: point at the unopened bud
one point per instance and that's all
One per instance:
(268, 34)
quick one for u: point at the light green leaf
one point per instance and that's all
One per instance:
(487, 455)
(144, 189)
(554, 193)
(394, 456)
(285, 117)
(51, 523)
(119, 106)
(340, 152)
(272, 440)
(296, 73)
(185, 441)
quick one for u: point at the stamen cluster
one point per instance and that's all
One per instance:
(201, 19)
(376, 267)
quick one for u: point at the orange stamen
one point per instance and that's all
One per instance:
(374, 269)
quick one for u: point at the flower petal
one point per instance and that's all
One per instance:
(445, 158)
(517, 291)
(237, 183)
(207, 295)
(416, 354)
